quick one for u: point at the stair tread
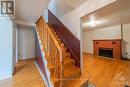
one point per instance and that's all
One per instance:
(68, 54)
(50, 67)
(72, 70)
(65, 61)
(54, 80)
(68, 60)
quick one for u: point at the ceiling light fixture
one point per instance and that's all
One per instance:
(92, 23)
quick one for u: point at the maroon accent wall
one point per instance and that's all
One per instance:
(115, 44)
(70, 41)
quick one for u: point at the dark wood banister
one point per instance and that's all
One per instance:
(70, 41)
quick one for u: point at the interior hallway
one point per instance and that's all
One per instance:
(26, 75)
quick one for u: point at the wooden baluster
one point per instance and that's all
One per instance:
(52, 48)
(53, 58)
(48, 45)
(52, 52)
(40, 30)
(44, 29)
(46, 42)
(57, 63)
(61, 70)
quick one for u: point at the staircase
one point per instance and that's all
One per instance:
(59, 62)
(67, 37)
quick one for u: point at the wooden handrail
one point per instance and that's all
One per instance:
(51, 47)
(50, 32)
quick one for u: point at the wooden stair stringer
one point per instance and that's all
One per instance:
(44, 60)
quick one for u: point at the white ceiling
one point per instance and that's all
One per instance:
(74, 3)
(28, 11)
(113, 14)
(62, 7)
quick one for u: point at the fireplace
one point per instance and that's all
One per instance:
(107, 48)
(106, 52)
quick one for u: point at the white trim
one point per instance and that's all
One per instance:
(19, 22)
(41, 73)
(44, 60)
(17, 45)
(81, 48)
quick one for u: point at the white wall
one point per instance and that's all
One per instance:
(45, 15)
(113, 32)
(126, 40)
(26, 42)
(59, 7)
(87, 42)
(72, 18)
(52, 7)
(6, 49)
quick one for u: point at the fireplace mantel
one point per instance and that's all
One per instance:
(114, 44)
(108, 40)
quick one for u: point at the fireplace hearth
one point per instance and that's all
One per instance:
(106, 52)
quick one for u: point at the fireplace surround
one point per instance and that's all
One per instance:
(107, 48)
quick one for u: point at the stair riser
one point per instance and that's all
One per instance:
(65, 66)
(72, 77)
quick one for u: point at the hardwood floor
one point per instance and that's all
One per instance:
(99, 71)
(103, 72)
(26, 75)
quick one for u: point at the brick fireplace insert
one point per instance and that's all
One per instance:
(107, 48)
